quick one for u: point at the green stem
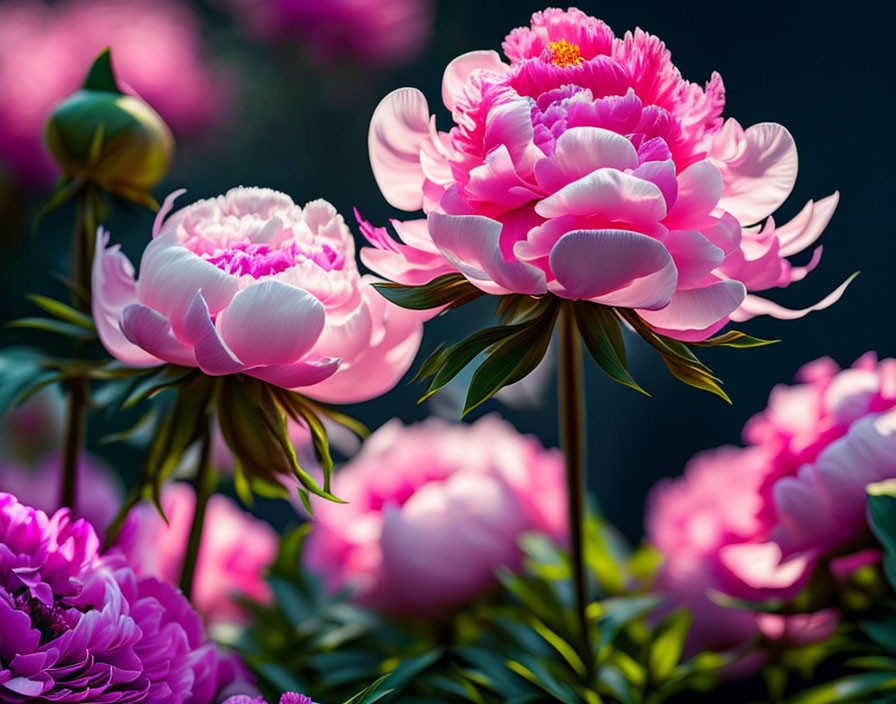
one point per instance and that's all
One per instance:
(205, 484)
(78, 395)
(571, 404)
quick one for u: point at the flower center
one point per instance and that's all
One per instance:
(48, 619)
(259, 260)
(565, 54)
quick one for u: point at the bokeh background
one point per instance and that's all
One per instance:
(288, 107)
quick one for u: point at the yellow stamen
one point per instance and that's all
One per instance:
(565, 54)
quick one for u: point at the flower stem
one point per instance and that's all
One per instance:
(571, 405)
(205, 484)
(78, 395)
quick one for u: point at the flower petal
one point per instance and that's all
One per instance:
(458, 73)
(472, 244)
(581, 150)
(114, 288)
(608, 192)
(271, 323)
(807, 226)
(759, 167)
(591, 264)
(755, 305)
(298, 374)
(151, 331)
(398, 128)
(211, 353)
(698, 308)
(699, 190)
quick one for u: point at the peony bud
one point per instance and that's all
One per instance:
(116, 141)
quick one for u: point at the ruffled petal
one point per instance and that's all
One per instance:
(699, 308)
(472, 244)
(610, 193)
(581, 150)
(398, 128)
(592, 264)
(458, 73)
(807, 226)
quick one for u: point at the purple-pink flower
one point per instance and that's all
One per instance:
(288, 698)
(45, 51)
(589, 168)
(433, 510)
(234, 555)
(373, 31)
(251, 283)
(753, 522)
(78, 626)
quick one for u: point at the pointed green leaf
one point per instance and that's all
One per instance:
(734, 338)
(62, 311)
(57, 327)
(667, 644)
(600, 332)
(101, 76)
(451, 290)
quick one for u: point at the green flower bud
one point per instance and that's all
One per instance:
(116, 141)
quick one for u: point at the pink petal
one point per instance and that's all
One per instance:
(298, 374)
(170, 276)
(458, 73)
(211, 353)
(607, 192)
(807, 226)
(699, 189)
(271, 323)
(698, 308)
(591, 264)
(694, 255)
(151, 331)
(754, 305)
(398, 128)
(114, 289)
(472, 244)
(759, 167)
(760, 566)
(662, 173)
(581, 150)
(166, 208)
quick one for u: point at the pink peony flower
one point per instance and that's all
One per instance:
(433, 510)
(288, 698)
(589, 168)
(372, 31)
(752, 522)
(234, 555)
(78, 626)
(249, 282)
(45, 51)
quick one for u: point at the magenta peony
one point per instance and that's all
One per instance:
(234, 555)
(288, 698)
(752, 522)
(45, 51)
(372, 31)
(76, 626)
(423, 500)
(249, 282)
(589, 168)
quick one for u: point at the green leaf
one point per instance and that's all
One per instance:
(882, 630)
(373, 693)
(882, 519)
(734, 338)
(667, 644)
(847, 689)
(695, 376)
(451, 290)
(63, 311)
(513, 359)
(600, 332)
(617, 613)
(101, 76)
(58, 327)
(22, 369)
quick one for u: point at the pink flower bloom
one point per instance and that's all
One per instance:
(372, 31)
(249, 282)
(45, 51)
(426, 499)
(234, 555)
(752, 522)
(589, 168)
(288, 698)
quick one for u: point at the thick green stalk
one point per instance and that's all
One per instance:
(205, 482)
(571, 405)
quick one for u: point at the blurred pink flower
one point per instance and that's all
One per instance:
(588, 167)
(372, 31)
(234, 555)
(45, 51)
(752, 522)
(99, 491)
(251, 283)
(433, 510)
